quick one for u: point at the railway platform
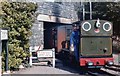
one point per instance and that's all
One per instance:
(60, 68)
(44, 69)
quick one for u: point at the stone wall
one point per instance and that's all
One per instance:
(65, 10)
(58, 9)
(37, 37)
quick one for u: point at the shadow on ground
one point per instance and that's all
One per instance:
(75, 69)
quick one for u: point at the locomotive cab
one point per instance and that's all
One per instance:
(95, 43)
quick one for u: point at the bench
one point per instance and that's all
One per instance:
(45, 55)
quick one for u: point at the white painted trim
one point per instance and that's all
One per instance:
(109, 26)
(84, 27)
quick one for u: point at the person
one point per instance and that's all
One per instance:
(74, 42)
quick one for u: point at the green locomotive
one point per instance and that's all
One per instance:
(95, 43)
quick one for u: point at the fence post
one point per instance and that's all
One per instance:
(30, 62)
(53, 57)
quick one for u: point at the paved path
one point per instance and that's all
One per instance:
(59, 69)
(43, 70)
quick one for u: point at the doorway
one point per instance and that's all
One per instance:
(49, 35)
(55, 34)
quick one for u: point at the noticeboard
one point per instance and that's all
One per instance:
(3, 34)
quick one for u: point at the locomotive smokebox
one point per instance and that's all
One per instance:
(96, 42)
(94, 39)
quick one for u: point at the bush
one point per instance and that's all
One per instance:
(18, 18)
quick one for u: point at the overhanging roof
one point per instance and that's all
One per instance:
(48, 18)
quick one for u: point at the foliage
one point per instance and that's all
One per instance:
(18, 18)
(110, 11)
(107, 11)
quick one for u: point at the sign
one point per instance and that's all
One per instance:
(45, 53)
(4, 34)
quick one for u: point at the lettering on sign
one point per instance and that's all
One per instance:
(44, 53)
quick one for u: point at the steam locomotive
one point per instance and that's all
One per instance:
(95, 48)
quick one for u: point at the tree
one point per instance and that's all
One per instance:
(110, 11)
(18, 18)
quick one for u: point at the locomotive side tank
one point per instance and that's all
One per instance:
(96, 43)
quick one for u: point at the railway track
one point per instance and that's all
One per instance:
(113, 70)
(105, 71)
(97, 72)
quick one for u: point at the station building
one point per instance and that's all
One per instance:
(51, 21)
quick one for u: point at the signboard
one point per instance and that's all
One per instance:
(45, 53)
(4, 34)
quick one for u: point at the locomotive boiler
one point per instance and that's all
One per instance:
(95, 43)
